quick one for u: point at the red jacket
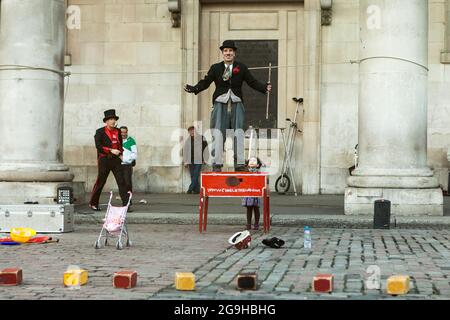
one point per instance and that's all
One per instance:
(104, 144)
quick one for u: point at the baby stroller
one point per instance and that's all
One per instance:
(115, 225)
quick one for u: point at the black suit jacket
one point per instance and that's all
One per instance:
(240, 74)
(192, 145)
(102, 141)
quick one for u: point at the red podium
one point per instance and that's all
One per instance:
(233, 185)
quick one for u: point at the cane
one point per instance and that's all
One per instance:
(268, 92)
(251, 142)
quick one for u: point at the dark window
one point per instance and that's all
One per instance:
(259, 53)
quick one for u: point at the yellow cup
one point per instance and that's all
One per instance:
(22, 235)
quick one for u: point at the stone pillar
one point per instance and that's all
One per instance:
(445, 55)
(190, 113)
(32, 43)
(447, 30)
(311, 121)
(393, 112)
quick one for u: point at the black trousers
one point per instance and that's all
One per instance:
(105, 166)
(195, 170)
(128, 176)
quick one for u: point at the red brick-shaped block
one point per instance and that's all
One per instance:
(247, 281)
(125, 279)
(323, 283)
(11, 277)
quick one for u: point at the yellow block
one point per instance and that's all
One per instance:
(184, 281)
(75, 278)
(398, 285)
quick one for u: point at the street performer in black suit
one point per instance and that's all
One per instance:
(228, 110)
(108, 142)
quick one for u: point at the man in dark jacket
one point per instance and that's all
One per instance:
(108, 142)
(228, 108)
(195, 154)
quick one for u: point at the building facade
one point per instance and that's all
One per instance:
(136, 55)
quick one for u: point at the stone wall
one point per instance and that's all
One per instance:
(133, 43)
(136, 36)
(339, 95)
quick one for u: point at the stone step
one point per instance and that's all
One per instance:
(314, 221)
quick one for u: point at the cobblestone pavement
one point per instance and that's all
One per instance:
(161, 250)
(158, 252)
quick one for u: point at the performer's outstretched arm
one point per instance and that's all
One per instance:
(252, 82)
(202, 84)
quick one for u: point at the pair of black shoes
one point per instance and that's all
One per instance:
(237, 168)
(94, 208)
(274, 242)
(240, 169)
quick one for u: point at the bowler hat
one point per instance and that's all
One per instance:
(228, 44)
(241, 240)
(110, 114)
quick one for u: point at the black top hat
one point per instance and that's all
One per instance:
(228, 44)
(110, 114)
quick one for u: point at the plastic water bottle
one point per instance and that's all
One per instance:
(307, 238)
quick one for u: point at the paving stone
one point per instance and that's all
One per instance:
(282, 274)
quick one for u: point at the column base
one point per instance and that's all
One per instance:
(41, 192)
(393, 182)
(405, 202)
(36, 176)
(35, 172)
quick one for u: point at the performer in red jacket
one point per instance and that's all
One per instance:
(108, 142)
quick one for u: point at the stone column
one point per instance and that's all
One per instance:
(447, 30)
(32, 43)
(311, 121)
(393, 112)
(190, 10)
(445, 55)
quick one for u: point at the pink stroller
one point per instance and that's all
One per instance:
(115, 225)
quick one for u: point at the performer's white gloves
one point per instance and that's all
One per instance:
(190, 89)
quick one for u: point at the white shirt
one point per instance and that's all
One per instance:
(224, 98)
(129, 155)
